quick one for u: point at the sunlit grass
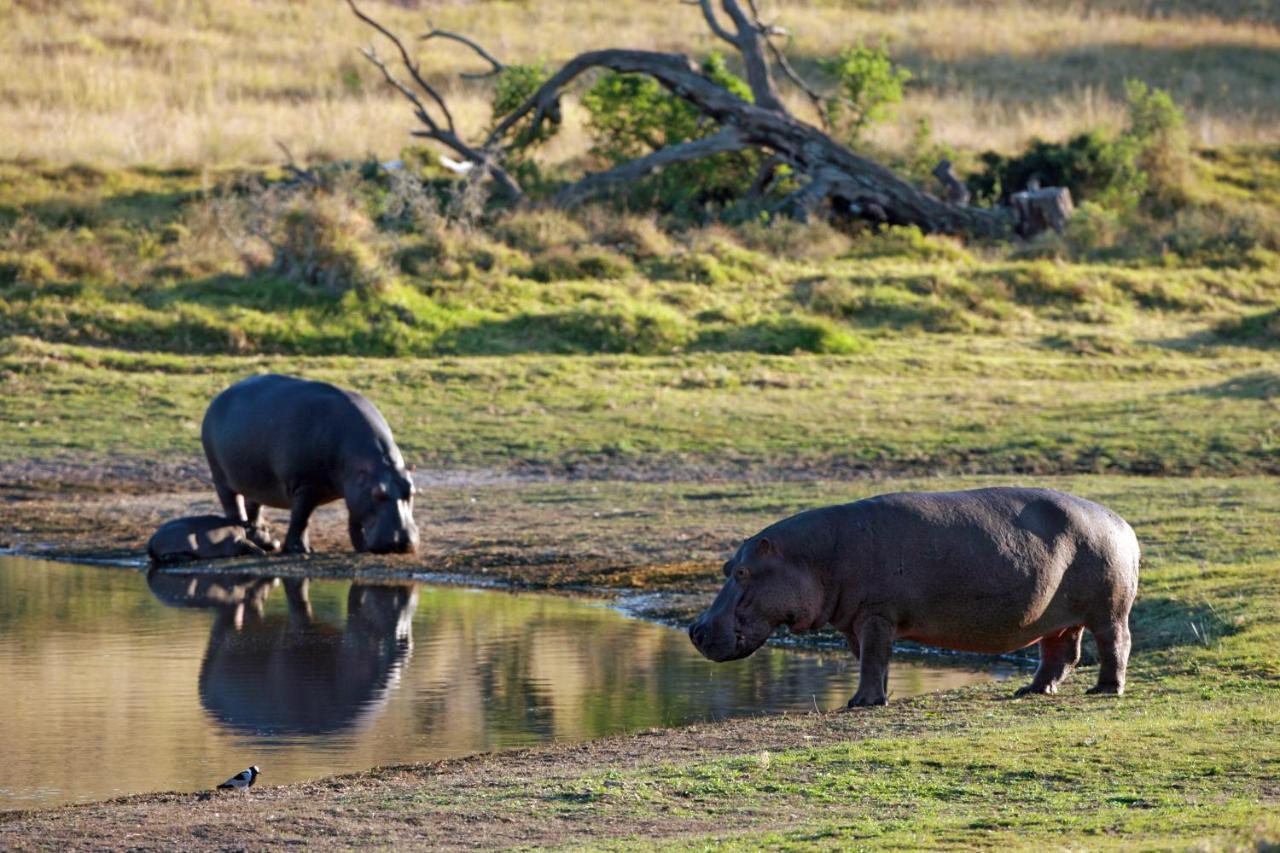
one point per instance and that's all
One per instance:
(181, 82)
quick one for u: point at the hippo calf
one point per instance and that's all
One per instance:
(285, 442)
(201, 537)
(988, 570)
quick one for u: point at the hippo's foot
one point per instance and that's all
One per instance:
(1107, 690)
(260, 535)
(860, 700)
(297, 548)
(1049, 689)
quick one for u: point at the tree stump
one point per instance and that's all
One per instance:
(953, 189)
(1037, 210)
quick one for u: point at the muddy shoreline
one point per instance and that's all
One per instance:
(497, 530)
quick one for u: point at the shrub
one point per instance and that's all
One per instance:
(889, 305)
(690, 266)
(323, 243)
(639, 330)
(1092, 166)
(538, 231)
(907, 241)
(867, 87)
(639, 237)
(561, 263)
(514, 85)
(1148, 162)
(788, 238)
(630, 115)
(1158, 130)
(783, 335)
(26, 268)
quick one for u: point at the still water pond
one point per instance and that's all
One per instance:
(114, 681)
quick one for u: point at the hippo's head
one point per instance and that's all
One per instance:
(380, 510)
(762, 590)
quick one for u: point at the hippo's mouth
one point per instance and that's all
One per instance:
(723, 652)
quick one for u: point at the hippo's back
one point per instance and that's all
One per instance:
(1004, 564)
(265, 435)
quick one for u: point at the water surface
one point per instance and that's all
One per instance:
(115, 681)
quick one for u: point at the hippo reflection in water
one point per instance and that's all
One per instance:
(276, 674)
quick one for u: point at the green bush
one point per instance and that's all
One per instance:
(324, 243)
(1158, 130)
(908, 242)
(689, 266)
(639, 330)
(588, 262)
(787, 238)
(26, 268)
(867, 87)
(630, 115)
(888, 305)
(1148, 162)
(1094, 167)
(783, 335)
(539, 230)
(514, 85)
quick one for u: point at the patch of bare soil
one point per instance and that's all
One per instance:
(495, 527)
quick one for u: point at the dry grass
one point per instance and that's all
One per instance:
(182, 82)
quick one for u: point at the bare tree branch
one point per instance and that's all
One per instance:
(851, 182)
(575, 194)
(862, 185)
(496, 66)
(409, 64)
(819, 103)
(709, 15)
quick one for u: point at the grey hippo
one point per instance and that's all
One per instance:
(284, 442)
(987, 570)
(202, 537)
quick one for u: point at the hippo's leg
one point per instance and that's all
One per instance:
(1059, 654)
(258, 531)
(231, 500)
(298, 592)
(875, 642)
(303, 502)
(1113, 652)
(356, 531)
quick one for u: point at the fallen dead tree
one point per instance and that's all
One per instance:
(833, 178)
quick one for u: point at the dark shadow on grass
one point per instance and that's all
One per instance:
(1259, 385)
(1158, 623)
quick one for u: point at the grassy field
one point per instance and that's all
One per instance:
(610, 400)
(193, 83)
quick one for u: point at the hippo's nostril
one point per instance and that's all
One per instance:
(696, 632)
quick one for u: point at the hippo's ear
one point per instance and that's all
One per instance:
(765, 548)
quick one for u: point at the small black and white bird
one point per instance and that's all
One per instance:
(242, 781)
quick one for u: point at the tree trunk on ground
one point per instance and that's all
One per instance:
(851, 185)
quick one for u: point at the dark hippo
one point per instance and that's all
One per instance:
(200, 537)
(989, 570)
(289, 443)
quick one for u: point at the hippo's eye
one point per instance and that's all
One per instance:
(740, 574)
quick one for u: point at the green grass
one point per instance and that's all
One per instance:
(186, 262)
(960, 405)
